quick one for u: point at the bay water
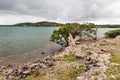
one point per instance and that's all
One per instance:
(19, 40)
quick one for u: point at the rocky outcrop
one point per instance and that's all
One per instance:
(117, 38)
(93, 55)
(95, 66)
(20, 72)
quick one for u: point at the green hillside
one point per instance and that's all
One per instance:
(44, 23)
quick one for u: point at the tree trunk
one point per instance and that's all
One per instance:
(72, 41)
(96, 34)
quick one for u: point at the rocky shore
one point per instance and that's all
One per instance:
(36, 54)
(89, 60)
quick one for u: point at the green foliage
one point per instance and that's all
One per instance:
(108, 26)
(117, 77)
(52, 24)
(113, 71)
(32, 77)
(70, 74)
(115, 59)
(69, 58)
(35, 76)
(73, 73)
(96, 73)
(44, 23)
(61, 36)
(112, 33)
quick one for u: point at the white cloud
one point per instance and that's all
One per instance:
(98, 11)
(13, 19)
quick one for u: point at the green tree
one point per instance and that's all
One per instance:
(66, 35)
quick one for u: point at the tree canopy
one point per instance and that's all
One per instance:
(64, 34)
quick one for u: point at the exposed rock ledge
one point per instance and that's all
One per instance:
(94, 56)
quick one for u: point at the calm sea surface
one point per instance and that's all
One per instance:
(18, 40)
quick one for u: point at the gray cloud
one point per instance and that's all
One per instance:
(62, 10)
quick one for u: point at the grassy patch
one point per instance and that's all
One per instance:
(69, 58)
(70, 74)
(111, 78)
(113, 70)
(96, 73)
(73, 73)
(34, 76)
(115, 59)
(117, 77)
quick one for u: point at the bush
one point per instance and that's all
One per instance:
(66, 34)
(112, 33)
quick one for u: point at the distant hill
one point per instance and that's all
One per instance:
(43, 24)
(108, 26)
(54, 24)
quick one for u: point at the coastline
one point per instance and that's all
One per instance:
(89, 58)
(30, 56)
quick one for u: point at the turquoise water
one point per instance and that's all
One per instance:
(18, 40)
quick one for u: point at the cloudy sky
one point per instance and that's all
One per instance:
(96, 11)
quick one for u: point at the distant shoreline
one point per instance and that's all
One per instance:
(54, 24)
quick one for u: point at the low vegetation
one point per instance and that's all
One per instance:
(52, 24)
(38, 24)
(32, 77)
(70, 74)
(67, 34)
(115, 59)
(69, 58)
(113, 72)
(112, 33)
(35, 76)
(108, 26)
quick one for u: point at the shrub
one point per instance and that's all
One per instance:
(112, 33)
(66, 34)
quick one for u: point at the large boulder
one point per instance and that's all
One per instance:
(117, 39)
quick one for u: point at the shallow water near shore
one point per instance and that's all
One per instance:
(22, 44)
(19, 40)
